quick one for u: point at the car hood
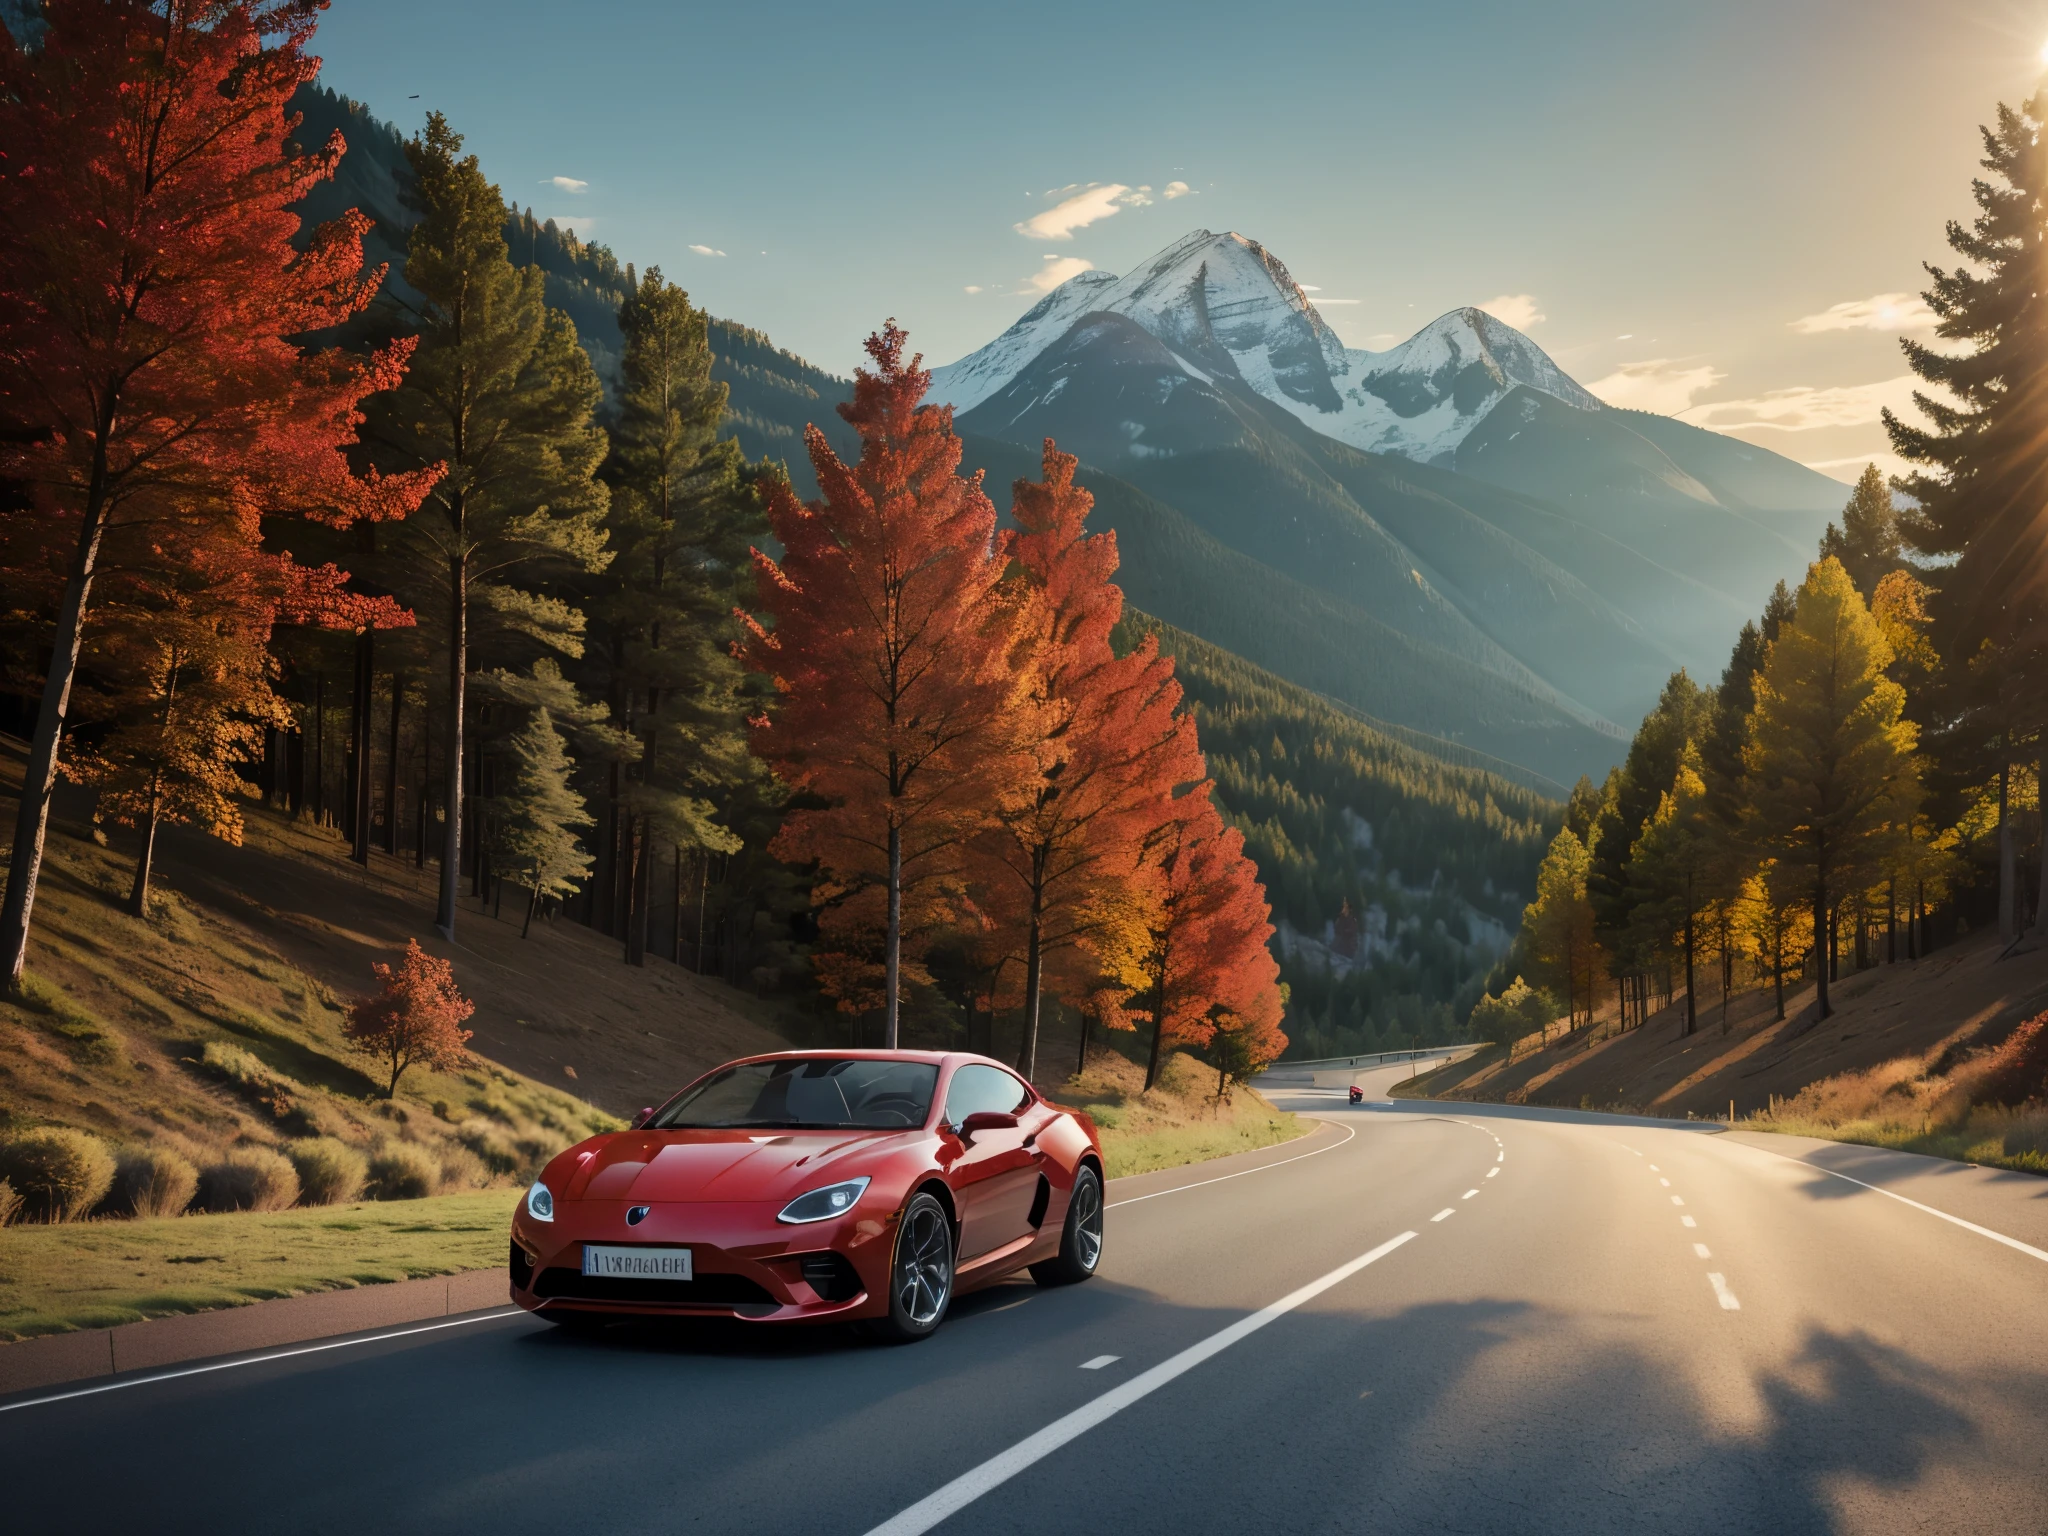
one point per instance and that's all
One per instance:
(722, 1165)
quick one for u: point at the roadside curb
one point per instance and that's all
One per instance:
(146, 1346)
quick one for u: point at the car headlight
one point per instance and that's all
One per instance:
(820, 1204)
(540, 1204)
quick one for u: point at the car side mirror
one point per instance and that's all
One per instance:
(643, 1117)
(986, 1120)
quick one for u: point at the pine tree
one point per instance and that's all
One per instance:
(1672, 871)
(150, 300)
(502, 393)
(1831, 779)
(1678, 721)
(680, 521)
(1867, 540)
(1557, 927)
(537, 818)
(891, 652)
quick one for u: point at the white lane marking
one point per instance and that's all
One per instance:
(1720, 1285)
(1449, 1210)
(999, 1469)
(1687, 1221)
(1160, 1194)
(1655, 1169)
(1665, 1182)
(1492, 1172)
(1468, 1194)
(1099, 1362)
(1501, 1156)
(276, 1354)
(1627, 1148)
(1701, 1250)
(1675, 1200)
(1969, 1226)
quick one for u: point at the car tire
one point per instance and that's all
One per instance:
(1080, 1235)
(920, 1272)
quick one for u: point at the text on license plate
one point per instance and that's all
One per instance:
(622, 1263)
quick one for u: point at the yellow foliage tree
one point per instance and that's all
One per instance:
(1557, 927)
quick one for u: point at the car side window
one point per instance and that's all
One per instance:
(976, 1088)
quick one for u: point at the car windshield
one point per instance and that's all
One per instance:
(819, 1093)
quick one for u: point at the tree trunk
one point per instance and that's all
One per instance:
(2008, 859)
(138, 894)
(1823, 942)
(892, 939)
(391, 767)
(703, 897)
(319, 749)
(1778, 973)
(1034, 975)
(1158, 1027)
(366, 697)
(675, 867)
(640, 852)
(1691, 1010)
(1727, 970)
(1081, 1058)
(458, 677)
(532, 901)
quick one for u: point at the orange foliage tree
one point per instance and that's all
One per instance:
(149, 297)
(890, 649)
(415, 1020)
(1108, 745)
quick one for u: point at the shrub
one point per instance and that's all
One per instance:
(248, 1179)
(462, 1169)
(58, 1172)
(402, 1170)
(273, 1090)
(152, 1181)
(2018, 1070)
(489, 1144)
(331, 1172)
(10, 1203)
(1520, 1010)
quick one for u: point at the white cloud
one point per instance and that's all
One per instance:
(1847, 470)
(705, 250)
(1321, 302)
(1879, 312)
(1310, 288)
(567, 184)
(1079, 207)
(1803, 409)
(1057, 270)
(1516, 309)
(1175, 189)
(973, 288)
(1659, 385)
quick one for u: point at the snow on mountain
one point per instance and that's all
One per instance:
(1229, 304)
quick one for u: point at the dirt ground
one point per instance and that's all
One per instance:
(1962, 997)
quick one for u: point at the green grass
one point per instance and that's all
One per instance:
(1254, 1125)
(95, 1274)
(1986, 1146)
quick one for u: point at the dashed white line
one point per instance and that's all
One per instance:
(1500, 1156)
(1468, 1194)
(1492, 1172)
(1701, 1250)
(1687, 1221)
(1449, 1210)
(937, 1506)
(1160, 1194)
(1677, 1200)
(1665, 1182)
(1727, 1297)
(1099, 1362)
(1655, 1169)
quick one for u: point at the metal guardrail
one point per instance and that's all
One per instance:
(1374, 1059)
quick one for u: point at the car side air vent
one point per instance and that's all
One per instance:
(830, 1275)
(1039, 1202)
(522, 1267)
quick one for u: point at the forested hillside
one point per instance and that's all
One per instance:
(1396, 878)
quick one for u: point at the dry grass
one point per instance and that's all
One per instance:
(1179, 1121)
(1904, 1105)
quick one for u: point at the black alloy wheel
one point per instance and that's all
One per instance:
(1080, 1237)
(921, 1275)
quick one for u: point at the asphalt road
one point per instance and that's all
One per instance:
(1563, 1323)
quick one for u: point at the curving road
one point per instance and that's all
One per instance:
(1421, 1318)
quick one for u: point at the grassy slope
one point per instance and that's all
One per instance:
(1179, 1121)
(1882, 1070)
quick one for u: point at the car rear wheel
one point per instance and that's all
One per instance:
(921, 1275)
(1081, 1236)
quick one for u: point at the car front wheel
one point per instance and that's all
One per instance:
(1081, 1237)
(921, 1276)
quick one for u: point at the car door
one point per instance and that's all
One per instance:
(994, 1173)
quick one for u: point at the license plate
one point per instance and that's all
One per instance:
(622, 1263)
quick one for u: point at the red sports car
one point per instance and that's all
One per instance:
(816, 1186)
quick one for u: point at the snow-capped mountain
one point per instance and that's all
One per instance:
(1228, 304)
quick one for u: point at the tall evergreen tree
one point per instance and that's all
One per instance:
(1557, 927)
(681, 520)
(503, 394)
(1867, 540)
(1831, 777)
(538, 815)
(1678, 721)
(1672, 872)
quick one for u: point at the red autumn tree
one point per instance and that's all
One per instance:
(416, 1020)
(890, 651)
(1200, 960)
(1108, 743)
(150, 292)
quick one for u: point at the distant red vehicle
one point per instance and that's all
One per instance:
(816, 1186)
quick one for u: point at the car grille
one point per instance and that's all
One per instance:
(705, 1291)
(830, 1275)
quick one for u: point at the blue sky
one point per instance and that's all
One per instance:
(1699, 201)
